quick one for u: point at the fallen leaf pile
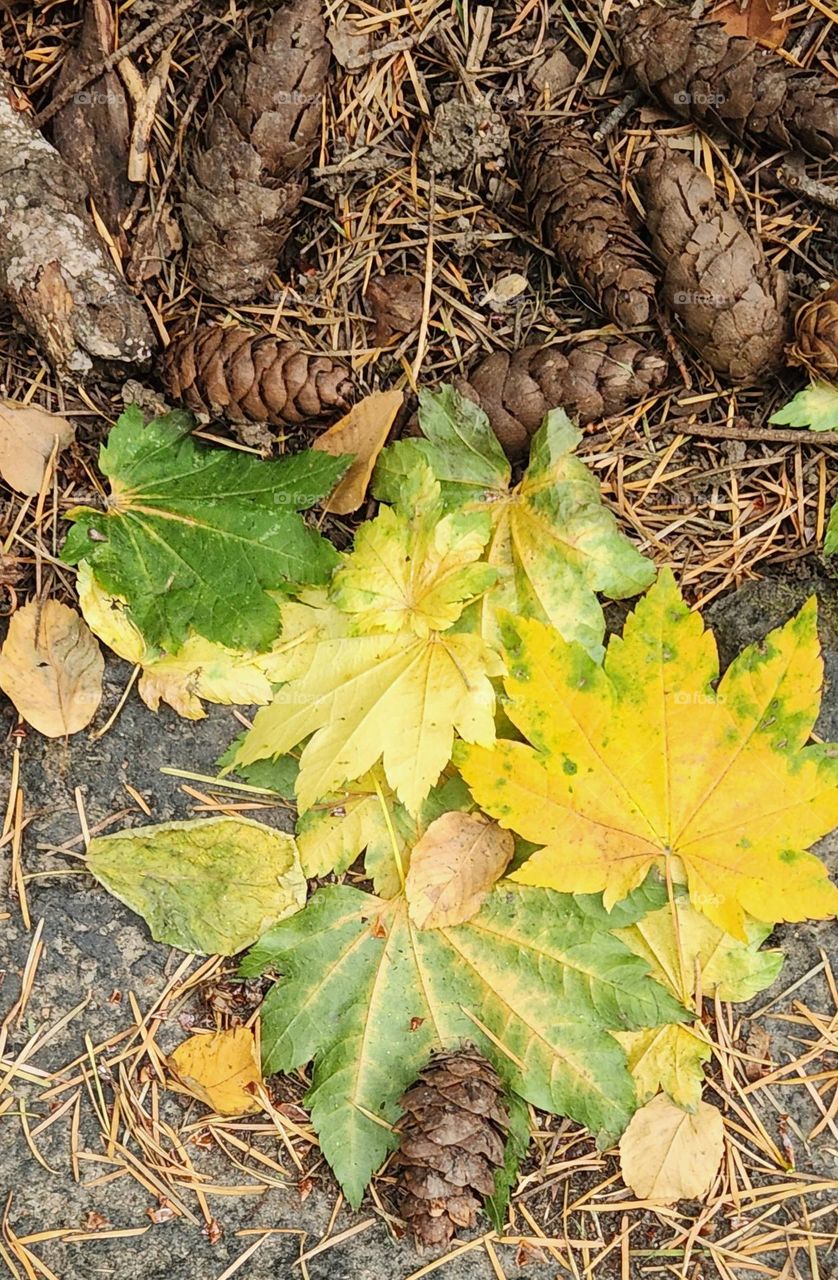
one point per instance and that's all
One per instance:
(558, 850)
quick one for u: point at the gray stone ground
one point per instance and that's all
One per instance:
(93, 946)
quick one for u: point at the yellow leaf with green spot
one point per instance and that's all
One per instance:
(644, 763)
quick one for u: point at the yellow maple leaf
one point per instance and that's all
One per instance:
(395, 698)
(685, 951)
(670, 1058)
(378, 672)
(642, 763)
(220, 1070)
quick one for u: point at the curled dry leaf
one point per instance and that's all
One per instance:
(667, 1154)
(453, 867)
(755, 19)
(220, 1070)
(396, 303)
(28, 437)
(362, 433)
(51, 667)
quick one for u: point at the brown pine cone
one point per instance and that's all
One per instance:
(594, 379)
(247, 174)
(242, 376)
(701, 72)
(816, 336)
(453, 1137)
(577, 210)
(732, 304)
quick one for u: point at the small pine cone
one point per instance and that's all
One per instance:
(816, 336)
(242, 376)
(247, 174)
(453, 1137)
(594, 379)
(701, 72)
(578, 212)
(733, 306)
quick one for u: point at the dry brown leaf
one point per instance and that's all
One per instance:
(51, 667)
(220, 1070)
(396, 303)
(453, 867)
(667, 1154)
(27, 439)
(361, 432)
(754, 19)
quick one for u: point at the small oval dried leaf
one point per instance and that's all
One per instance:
(362, 433)
(667, 1154)
(51, 667)
(27, 439)
(209, 885)
(453, 867)
(220, 1070)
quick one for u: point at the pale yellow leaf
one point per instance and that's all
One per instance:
(667, 1154)
(51, 667)
(27, 439)
(453, 867)
(220, 1070)
(362, 432)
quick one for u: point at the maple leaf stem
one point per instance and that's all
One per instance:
(685, 985)
(388, 819)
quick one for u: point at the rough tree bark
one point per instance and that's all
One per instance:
(53, 267)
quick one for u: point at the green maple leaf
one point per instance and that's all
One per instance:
(830, 546)
(815, 407)
(534, 979)
(195, 538)
(553, 542)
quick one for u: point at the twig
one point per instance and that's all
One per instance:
(97, 69)
(617, 114)
(767, 435)
(794, 177)
(194, 90)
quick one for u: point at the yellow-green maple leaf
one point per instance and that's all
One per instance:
(201, 669)
(413, 567)
(641, 763)
(685, 950)
(373, 675)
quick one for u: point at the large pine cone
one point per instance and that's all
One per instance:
(732, 304)
(594, 379)
(702, 73)
(453, 1137)
(242, 376)
(816, 336)
(578, 212)
(246, 177)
